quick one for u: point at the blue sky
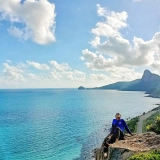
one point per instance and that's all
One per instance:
(63, 44)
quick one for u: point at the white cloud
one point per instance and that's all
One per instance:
(23, 34)
(36, 77)
(95, 42)
(87, 55)
(64, 71)
(115, 74)
(20, 75)
(74, 75)
(118, 51)
(22, 65)
(33, 76)
(38, 65)
(37, 16)
(16, 32)
(156, 65)
(12, 68)
(8, 61)
(12, 73)
(59, 67)
(53, 74)
(113, 23)
(99, 77)
(101, 11)
(95, 61)
(56, 71)
(123, 74)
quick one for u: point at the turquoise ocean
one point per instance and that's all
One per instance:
(61, 124)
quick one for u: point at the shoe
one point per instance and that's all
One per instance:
(105, 155)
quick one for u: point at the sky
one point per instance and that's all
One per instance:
(67, 44)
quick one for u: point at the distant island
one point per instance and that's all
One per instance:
(150, 83)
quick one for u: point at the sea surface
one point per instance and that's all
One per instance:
(62, 124)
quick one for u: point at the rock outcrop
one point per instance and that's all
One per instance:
(124, 149)
(149, 77)
(81, 88)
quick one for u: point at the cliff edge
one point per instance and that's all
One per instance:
(124, 149)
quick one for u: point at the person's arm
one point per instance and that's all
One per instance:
(126, 127)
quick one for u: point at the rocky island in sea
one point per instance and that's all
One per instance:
(150, 83)
(81, 88)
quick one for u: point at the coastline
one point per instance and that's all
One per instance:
(96, 112)
(88, 151)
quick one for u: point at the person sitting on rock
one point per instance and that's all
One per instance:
(117, 132)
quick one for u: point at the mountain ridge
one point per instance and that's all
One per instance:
(150, 83)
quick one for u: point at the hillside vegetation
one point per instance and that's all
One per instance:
(154, 125)
(132, 124)
(153, 155)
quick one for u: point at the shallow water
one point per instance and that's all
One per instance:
(60, 124)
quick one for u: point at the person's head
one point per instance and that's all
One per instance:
(118, 116)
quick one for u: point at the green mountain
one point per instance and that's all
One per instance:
(120, 85)
(149, 82)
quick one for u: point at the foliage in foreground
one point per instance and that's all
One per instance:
(152, 118)
(155, 127)
(154, 155)
(132, 124)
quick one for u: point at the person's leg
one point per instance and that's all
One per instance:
(113, 138)
(105, 144)
(121, 137)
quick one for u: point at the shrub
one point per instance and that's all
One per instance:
(154, 155)
(155, 127)
(132, 124)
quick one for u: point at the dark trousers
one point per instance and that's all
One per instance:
(118, 134)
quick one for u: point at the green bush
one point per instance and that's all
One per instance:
(132, 124)
(154, 155)
(152, 118)
(155, 127)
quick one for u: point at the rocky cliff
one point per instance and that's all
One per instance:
(124, 149)
(149, 77)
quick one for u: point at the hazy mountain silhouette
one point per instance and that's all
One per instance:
(149, 82)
